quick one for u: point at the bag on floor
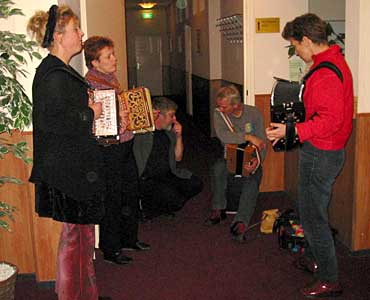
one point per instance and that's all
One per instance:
(268, 219)
(290, 232)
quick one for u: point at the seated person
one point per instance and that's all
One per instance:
(236, 123)
(163, 187)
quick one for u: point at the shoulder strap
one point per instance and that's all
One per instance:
(227, 120)
(103, 81)
(324, 64)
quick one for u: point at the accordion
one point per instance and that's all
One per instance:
(237, 156)
(287, 108)
(106, 127)
(138, 102)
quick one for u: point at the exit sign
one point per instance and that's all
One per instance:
(147, 15)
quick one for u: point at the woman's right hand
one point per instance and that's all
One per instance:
(96, 107)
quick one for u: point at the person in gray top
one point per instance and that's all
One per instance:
(236, 123)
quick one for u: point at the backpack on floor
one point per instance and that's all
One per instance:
(289, 231)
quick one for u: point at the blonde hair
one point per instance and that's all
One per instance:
(36, 26)
(230, 92)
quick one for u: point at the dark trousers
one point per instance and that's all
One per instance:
(228, 188)
(317, 172)
(167, 194)
(119, 226)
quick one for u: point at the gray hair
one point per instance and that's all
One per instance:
(164, 104)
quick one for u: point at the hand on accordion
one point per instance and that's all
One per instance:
(251, 165)
(275, 132)
(259, 143)
(124, 118)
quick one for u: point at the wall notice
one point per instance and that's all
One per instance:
(267, 25)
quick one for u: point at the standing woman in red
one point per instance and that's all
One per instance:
(68, 168)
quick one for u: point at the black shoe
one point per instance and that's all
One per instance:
(305, 264)
(138, 246)
(217, 215)
(104, 298)
(117, 258)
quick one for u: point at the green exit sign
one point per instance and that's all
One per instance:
(147, 15)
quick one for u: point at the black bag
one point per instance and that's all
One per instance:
(290, 234)
(287, 106)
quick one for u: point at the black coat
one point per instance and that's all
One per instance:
(66, 155)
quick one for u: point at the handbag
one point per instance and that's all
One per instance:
(268, 220)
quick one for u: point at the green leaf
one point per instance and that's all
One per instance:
(37, 55)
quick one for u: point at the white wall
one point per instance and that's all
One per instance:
(271, 56)
(18, 24)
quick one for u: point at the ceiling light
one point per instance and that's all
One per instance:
(147, 5)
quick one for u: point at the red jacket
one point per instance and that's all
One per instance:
(328, 103)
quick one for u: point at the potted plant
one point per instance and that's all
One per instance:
(15, 114)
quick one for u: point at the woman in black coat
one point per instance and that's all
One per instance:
(68, 168)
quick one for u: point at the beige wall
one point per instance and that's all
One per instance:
(201, 62)
(109, 20)
(232, 53)
(215, 66)
(363, 78)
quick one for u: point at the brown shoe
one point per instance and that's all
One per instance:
(321, 289)
(238, 231)
(217, 215)
(305, 264)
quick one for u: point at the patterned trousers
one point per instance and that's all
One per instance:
(75, 269)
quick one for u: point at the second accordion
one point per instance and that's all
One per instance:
(237, 156)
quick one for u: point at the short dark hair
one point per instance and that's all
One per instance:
(93, 46)
(163, 104)
(309, 25)
(230, 92)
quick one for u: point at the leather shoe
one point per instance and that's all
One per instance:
(138, 246)
(238, 231)
(321, 289)
(305, 264)
(104, 298)
(217, 215)
(117, 258)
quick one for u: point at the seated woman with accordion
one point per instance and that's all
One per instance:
(239, 127)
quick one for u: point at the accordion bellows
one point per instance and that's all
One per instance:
(138, 103)
(237, 156)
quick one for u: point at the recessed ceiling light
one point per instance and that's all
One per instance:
(147, 5)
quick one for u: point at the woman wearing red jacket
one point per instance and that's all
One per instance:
(328, 103)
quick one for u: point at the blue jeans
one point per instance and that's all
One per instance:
(221, 181)
(317, 172)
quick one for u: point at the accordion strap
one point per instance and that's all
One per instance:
(117, 87)
(227, 121)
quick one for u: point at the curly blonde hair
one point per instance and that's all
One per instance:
(36, 26)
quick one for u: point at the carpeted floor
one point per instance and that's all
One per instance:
(189, 261)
